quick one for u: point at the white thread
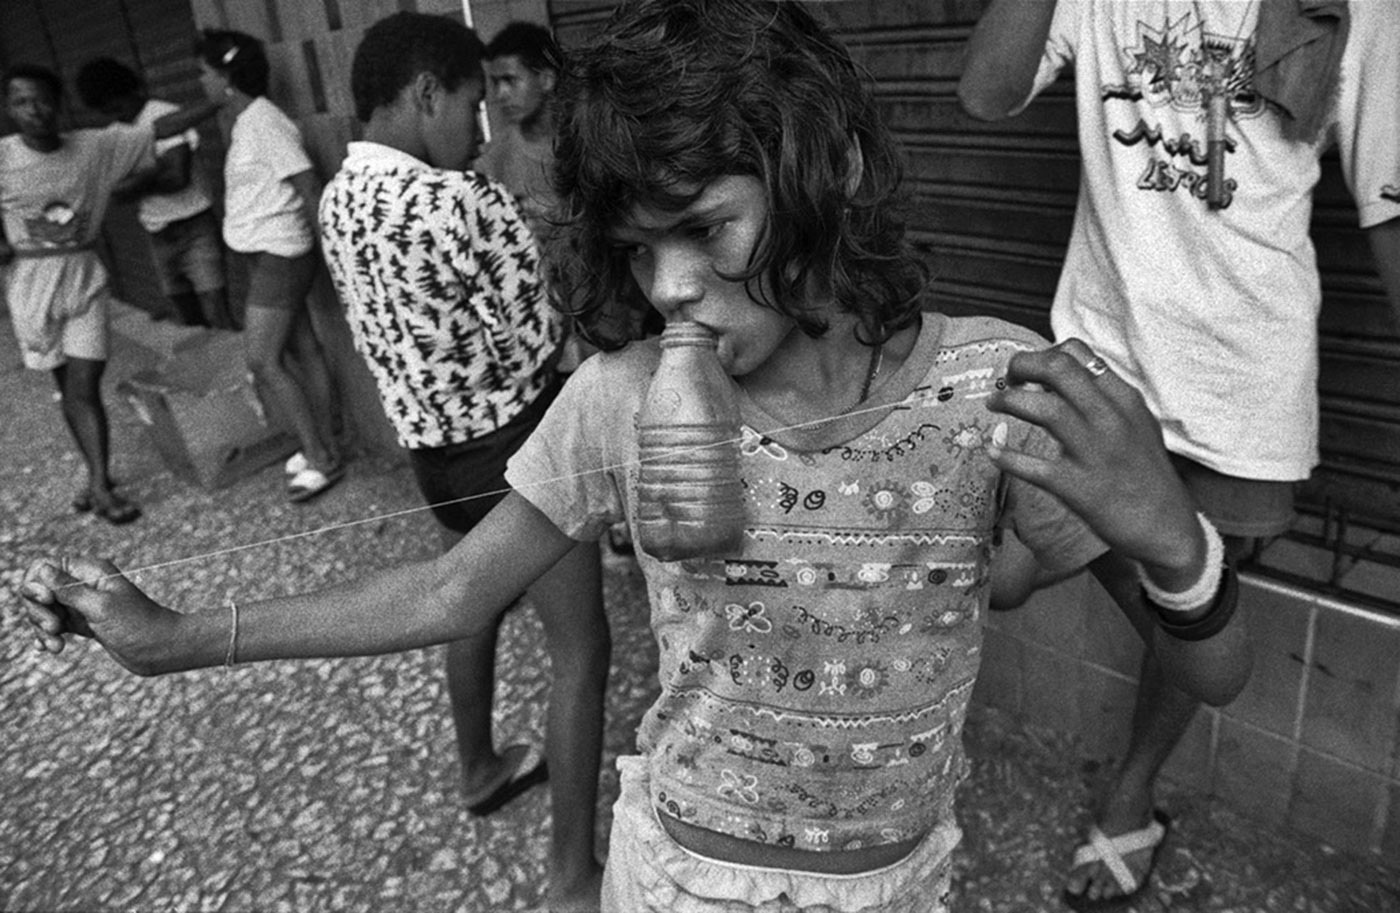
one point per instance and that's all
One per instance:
(910, 402)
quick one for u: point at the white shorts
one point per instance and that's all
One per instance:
(648, 872)
(81, 336)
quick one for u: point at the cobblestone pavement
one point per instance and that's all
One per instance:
(333, 785)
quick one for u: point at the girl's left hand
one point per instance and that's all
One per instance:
(1111, 467)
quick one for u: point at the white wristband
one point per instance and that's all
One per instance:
(1203, 590)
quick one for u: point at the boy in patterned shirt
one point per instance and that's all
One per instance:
(805, 747)
(442, 286)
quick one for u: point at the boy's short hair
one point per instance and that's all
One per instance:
(42, 75)
(237, 55)
(532, 43)
(104, 80)
(399, 47)
(675, 94)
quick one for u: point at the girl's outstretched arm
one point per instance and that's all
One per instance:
(413, 605)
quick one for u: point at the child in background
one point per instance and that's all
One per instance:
(55, 186)
(441, 282)
(270, 196)
(721, 162)
(173, 200)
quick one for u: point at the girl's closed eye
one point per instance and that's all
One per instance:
(709, 231)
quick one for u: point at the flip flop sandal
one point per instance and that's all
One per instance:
(82, 501)
(535, 772)
(311, 482)
(1110, 851)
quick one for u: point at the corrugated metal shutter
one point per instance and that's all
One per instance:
(993, 207)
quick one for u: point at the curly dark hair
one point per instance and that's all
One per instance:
(677, 93)
(532, 43)
(400, 46)
(103, 80)
(237, 55)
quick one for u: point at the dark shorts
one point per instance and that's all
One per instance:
(474, 470)
(189, 255)
(280, 283)
(1248, 508)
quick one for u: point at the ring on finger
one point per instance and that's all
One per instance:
(1096, 367)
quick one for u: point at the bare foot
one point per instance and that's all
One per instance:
(1093, 881)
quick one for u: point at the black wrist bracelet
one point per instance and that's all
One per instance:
(1222, 609)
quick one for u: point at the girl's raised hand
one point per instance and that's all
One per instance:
(1111, 467)
(89, 598)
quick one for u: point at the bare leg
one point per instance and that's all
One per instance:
(570, 602)
(308, 365)
(1161, 715)
(187, 306)
(471, 681)
(80, 384)
(214, 305)
(80, 387)
(569, 598)
(267, 333)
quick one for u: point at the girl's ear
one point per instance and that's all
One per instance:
(548, 80)
(855, 167)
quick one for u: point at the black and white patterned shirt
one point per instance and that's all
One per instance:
(442, 286)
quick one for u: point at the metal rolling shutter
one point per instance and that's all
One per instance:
(992, 207)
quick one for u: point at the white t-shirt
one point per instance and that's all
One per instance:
(1211, 313)
(262, 210)
(53, 204)
(157, 210)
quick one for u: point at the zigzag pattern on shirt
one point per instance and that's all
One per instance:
(848, 722)
(864, 537)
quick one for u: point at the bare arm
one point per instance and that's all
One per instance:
(171, 173)
(7, 253)
(308, 187)
(414, 605)
(1112, 470)
(1003, 56)
(1385, 248)
(186, 118)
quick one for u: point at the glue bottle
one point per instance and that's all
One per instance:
(690, 500)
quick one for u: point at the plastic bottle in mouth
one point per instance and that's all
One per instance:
(690, 498)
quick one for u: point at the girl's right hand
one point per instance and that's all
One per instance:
(89, 598)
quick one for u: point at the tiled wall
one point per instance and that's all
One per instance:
(1312, 743)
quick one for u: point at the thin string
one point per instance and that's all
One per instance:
(908, 402)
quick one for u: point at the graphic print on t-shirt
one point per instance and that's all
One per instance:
(1178, 67)
(56, 226)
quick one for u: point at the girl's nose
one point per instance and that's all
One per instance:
(675, 281)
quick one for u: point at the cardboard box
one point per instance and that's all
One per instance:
(202, 415)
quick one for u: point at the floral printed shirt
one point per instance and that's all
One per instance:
(815, 682)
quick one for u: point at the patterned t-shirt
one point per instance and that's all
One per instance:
(814, 683)
(441, 283)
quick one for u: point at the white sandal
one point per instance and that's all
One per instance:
(311, 482)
